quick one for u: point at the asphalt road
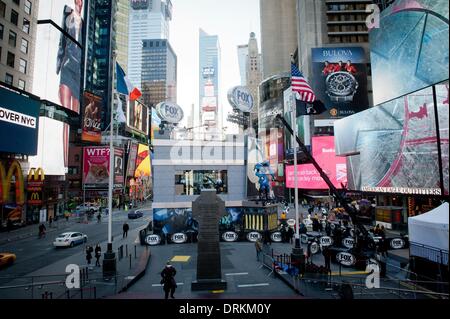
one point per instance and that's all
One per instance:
(34, 254)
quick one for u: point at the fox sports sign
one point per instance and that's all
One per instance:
(241, 99)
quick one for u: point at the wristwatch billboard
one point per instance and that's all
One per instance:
(341, 86)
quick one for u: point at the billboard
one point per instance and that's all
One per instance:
(156, 121)
(119, 168)
(340, 80)
(324, 154)
(392, 148)
(96, 167)
(92, 122)
(132, 156)
(409, 50)
(137, 117)
(59, 79)
(143, 165)
(52, 147)
(255, 154)
(19, 122)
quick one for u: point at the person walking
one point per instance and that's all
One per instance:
(259, 247)
(98, 253)
(266, 236)
(125, 228)
(99, 217)
(50, 221)
(42, 230)
(168, 280)
(89, 254)
(290, 234)
(327, 256)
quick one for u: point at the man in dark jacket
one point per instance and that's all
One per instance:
(168, 280)
(125, 228)
(327, 256)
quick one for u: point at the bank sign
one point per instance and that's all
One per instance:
(19, 121)
(241, 99)
(170, 112)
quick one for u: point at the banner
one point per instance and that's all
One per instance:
(340, 80)
(58, 80)
(92, 121)
(19, 122)
(132, 156)
(96, 167)
(143, 165)
(35, 184)
(137, 117)
(324, 154)
(119, 170)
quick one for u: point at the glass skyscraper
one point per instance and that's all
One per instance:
(209, 73)
(159, 72)
(149, 19)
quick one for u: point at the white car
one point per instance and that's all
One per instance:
(69, 239)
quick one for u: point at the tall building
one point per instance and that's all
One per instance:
(254, 76)
(278, 35)
(122, 26)
(18, 20)
(159, 72)
(209, 73)
(148, 20)
(242, 52)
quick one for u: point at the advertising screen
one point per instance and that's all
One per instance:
(59, 79)
(132, 155)
(51, 147)
(19, 122)
(324, 154)
(255, 154)
(392, 148)
(340, 80)
(119, 169)
(156, 121)
(143, 164)
(409, 51)
(92, 125)
(137, 117)
(96, 167)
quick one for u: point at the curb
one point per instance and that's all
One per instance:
(145, 259)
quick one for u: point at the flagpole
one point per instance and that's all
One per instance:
(294, 145)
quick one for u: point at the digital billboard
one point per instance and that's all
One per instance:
(52, 147)
(58, 80)
(92, 122)
(19, 123)
(392, 148)
(333, 166)
(340, 80)
(156, 121)
(137, 117)
(132, 155)
(96, 167)
(409, 50)
(143, 165)
(255, 154)
(119, 169)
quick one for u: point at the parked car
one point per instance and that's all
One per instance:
(135, 214)
(70, 239)
(7, 259)
(86, 208)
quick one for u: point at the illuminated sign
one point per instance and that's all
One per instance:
(241, 98)
(170, 112)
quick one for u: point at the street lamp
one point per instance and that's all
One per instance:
(109, 259)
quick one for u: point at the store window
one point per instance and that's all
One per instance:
(192, 182)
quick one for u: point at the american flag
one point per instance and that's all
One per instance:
(300, 85)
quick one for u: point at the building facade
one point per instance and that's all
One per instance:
(242, 51)
(159, 72)
(18, 21)
(209, 75)
(254, 76)
(278, 35)
(148, 20)
(122, 26)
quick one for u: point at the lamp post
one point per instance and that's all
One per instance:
(109, 260)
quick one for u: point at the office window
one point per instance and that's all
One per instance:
(17, 2)
(21, 84)
(14, 17)
(27, 7)
(23, 66)
(9, 79)
(24, 46)
(12, 38)
(10, 59)
(2, 9)
(1, 31)
(26, 26)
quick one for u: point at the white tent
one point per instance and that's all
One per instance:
(428, 234)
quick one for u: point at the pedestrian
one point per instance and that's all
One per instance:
(168, 280)
(328, 228)
(283, 233)
(9, 225)
(99, 217)
(42, 230)
(125, 228)
(50, 221)
(283, 215)
(327, 256)
(266, 237)
(67, 214)
(258, 246)
(98, 253)
(290, 234)
(89, 254)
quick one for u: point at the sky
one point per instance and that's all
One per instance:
(232, 21)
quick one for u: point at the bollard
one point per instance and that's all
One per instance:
(126, 250)
(130, 261)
